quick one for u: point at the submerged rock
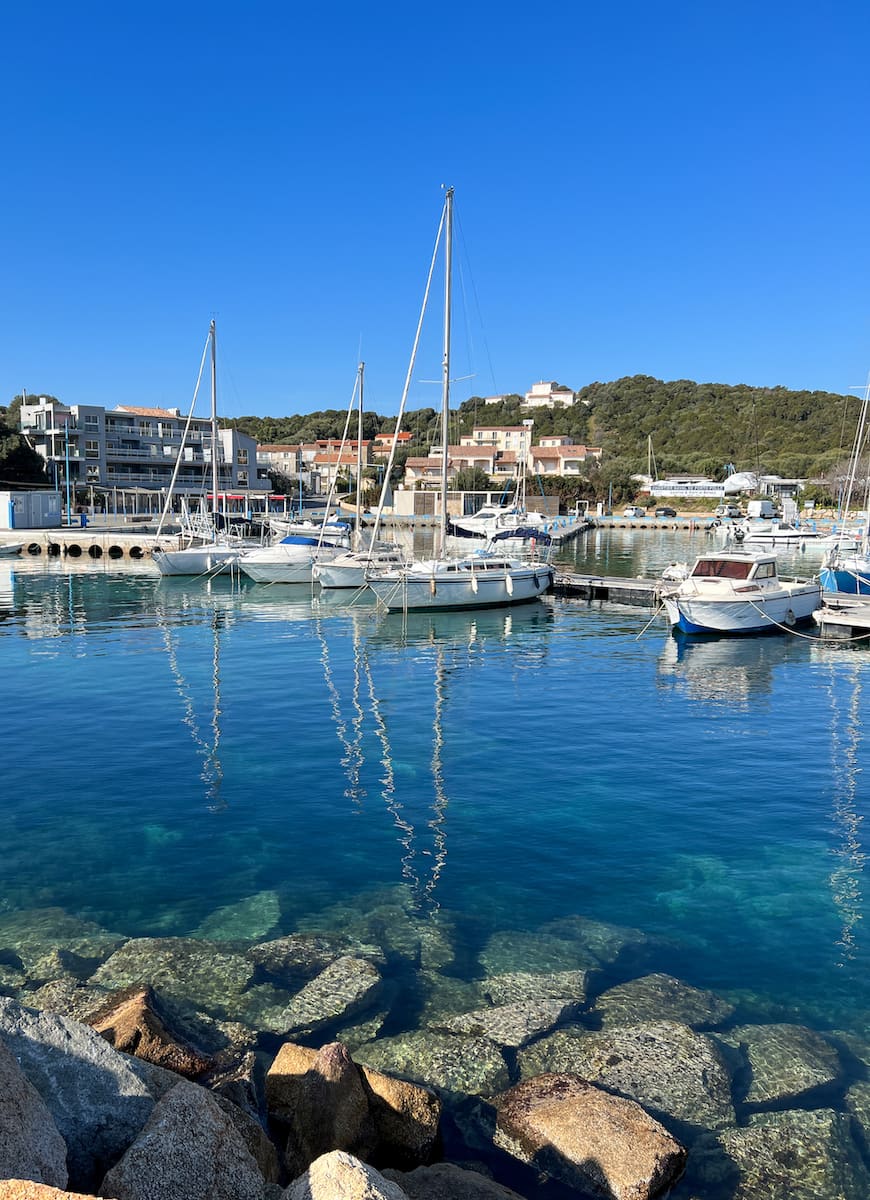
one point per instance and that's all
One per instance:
(183, 969)
(246, 921)
(472, 1066)
(588, 1139)
(298, 957)
(391, 919)
(666, 1067)
(188, 1150)
(511, 1024)
(443, 996)
(50, 942)
(344, 988)
(793, 1155)
(30, 1145)
(514, 951)
(67, 998)
(785, 1061)
(858, 1104)
(516, 986)
(602, 940)
(660, 998)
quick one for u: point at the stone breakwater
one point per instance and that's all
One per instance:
(349, 1058)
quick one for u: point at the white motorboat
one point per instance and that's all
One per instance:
(480, 580)
(774, 534)
(493, 519)
(738, 592)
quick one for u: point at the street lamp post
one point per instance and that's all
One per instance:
(66, 471)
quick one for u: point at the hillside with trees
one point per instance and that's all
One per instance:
(696, 428)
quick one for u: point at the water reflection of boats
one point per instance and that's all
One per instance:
(429, 650)
(465, 626)
(848, 852)
(724, 670)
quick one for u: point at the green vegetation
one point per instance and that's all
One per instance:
(696, 428)
(20, 466)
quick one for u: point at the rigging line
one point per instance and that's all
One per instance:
(388, 783)
(334, 483)
(809, 637)
(476, 301)
(177, 468)
(409, 375)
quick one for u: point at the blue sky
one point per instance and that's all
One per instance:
(675, 189)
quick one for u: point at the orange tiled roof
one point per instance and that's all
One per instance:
(147, 412)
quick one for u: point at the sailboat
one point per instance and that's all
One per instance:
(294, 558)
(348, 570)
(848, 569)
(206, 553)
(476, 580)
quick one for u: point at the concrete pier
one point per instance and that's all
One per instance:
(76, 544)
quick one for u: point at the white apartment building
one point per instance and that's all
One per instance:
(134, 447)
(548, 395)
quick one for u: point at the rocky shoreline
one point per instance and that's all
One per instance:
(244, 1062)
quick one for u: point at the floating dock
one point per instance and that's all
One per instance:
(602, 587)
(844, 617)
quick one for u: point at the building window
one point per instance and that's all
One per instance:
(92, 448)
(243, 478)
(242, 458)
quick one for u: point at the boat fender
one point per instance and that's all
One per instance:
(509, 583)
(432, 587)
(790, 618)
(474, 583)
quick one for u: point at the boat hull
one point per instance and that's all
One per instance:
(454, 589)
(853, 580)
(777, 610)
(350, 570)
(285, 563)
(197, 560)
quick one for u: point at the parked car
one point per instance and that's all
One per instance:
(729, 510)
(664, 511)
(634, 510)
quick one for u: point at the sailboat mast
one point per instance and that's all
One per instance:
(359, 434)
(215, 474)
(445, 379)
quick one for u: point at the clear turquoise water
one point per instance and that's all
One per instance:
(173, 746)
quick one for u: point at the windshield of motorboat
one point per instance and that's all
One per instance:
(722, 568)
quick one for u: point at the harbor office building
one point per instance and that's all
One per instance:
(129, 449)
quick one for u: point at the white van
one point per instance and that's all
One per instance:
(761, 508)
(634, 510)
